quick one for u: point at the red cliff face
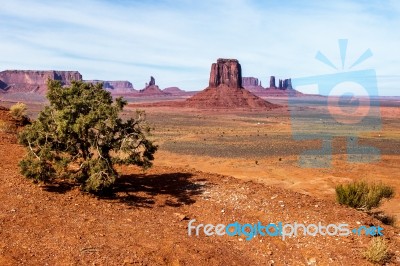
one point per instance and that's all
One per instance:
(116, 86)
(250, 81)
(32, 81)
(226, 72)
(225, 90)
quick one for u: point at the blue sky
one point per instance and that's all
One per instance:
(176, 41)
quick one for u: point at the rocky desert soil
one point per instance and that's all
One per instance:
(146, 221)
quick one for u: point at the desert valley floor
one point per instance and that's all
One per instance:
(215, 166)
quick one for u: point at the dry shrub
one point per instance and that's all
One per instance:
(7, 127)
(18, 111)
(377, 251)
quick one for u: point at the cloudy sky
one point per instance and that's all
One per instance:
(176, 41)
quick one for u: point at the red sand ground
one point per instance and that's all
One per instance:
(145, 223)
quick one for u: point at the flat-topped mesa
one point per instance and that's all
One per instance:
(38, 77)
(250, 81)
(118, 84)
(34, 80)
(112, 84)
(115, 86)
(226, 72)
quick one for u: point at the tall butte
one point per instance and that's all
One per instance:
(225, 90)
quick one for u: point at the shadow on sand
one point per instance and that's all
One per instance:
(169, 189)
(145, 190)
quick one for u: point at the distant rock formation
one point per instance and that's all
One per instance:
(152, 89)
(252, 84)
(227, 72)
(250, 81)
(284, 88)
(280, 84)
(152, 81)
(272, 83)
(17, 81)
(285, 84)
(175, 91)
(116, 86)
(225, 90)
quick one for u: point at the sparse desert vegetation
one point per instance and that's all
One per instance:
(191, 179)
(214, 165)
(363, 195)
(80, 136)
(118, 148)
(18, 111)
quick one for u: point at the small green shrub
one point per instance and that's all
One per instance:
(18, 111)
(363, 195)
(81, 136)
(377, 251)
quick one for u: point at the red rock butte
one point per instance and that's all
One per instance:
(34, 80)
(227, 72)
(225, 90)
(151, 89)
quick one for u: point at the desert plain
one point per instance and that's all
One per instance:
(214, 166)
